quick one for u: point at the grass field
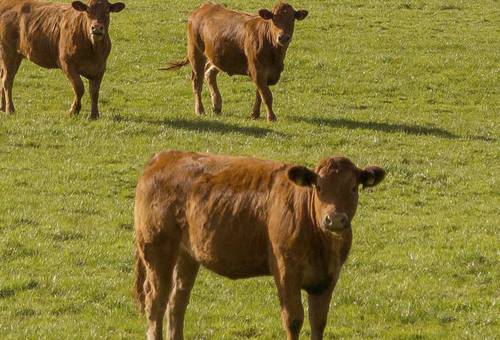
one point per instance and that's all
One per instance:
(413, 86)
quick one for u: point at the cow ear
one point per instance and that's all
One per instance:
(266, 14)
(79, 6)
(301, 15)
(371, 176)
(302, 176)
(116, 7)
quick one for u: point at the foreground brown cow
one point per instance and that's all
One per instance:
(220, 39)
(72, 37)
(243, 217)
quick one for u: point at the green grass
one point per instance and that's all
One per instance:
(413, 86)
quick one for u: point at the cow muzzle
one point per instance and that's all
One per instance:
(97, 32)
(336, 221)
(284, 39)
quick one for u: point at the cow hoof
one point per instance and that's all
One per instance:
(254, 116)
(217, 111)
(74, 111)
(272, 118)
(94, 116)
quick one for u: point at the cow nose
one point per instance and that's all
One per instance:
(97, 28)
(336, 221)
(284, 38)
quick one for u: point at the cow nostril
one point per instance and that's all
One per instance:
(328, 221)
(284, 38)
(343, 220)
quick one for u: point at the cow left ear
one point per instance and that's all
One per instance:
(371, 176)
(302, 176)
(116, 7)
(301, 15)
(79, 6)
(266, 14)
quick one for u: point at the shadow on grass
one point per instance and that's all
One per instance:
(203, 125)
(385, 127)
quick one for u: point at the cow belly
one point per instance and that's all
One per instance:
(40, 49)
(229, 60)
(234, 251)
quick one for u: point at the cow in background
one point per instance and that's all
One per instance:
(220, 39)
(243, 217)
(72, 37)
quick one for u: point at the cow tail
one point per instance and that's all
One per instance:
(140, 277)
(175, 65)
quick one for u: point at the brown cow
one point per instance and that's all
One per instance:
(72, 37)
(234, 42)
(243, 217)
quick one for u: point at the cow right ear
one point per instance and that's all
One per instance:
(266, 14)
(79, 6)
(302, 176)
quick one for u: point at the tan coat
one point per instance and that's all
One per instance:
(220, 39)
(72, 37)
(243, 217)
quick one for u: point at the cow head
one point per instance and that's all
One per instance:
(97, 12)
(283, 18)
(335, 181)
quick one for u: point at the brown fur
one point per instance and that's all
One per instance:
(220, 39)
(243, 217)
(72, 37)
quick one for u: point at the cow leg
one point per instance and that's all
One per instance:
(185, 273)
(266, 96)
(78, 88)
(2, 92)
(256, 105)
(11, 65)
(211, 77)
(159, 260)
(95, 85)
(288, 283)
(198, 61)
(318, 312)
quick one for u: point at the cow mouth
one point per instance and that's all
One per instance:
(97, 36)
(335, 229)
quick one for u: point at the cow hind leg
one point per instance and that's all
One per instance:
(211, 77)
(2, 92)
(159, 260)
(185, 273)
(11, 65)
(198, 61)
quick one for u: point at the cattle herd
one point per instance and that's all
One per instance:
(239, 217)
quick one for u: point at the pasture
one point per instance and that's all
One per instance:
(412, 86)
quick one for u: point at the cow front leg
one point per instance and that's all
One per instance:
(211, 77)
(287, 281)
(95, 86)
(78, 89)
(267, 98)
(319, 304)
(185, 273)
(256, 105)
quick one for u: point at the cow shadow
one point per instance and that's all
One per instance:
(204, 125)
(384, 127)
